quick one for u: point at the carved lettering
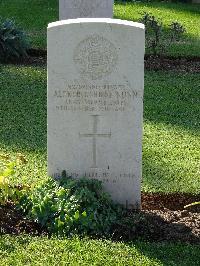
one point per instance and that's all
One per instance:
(117, 98)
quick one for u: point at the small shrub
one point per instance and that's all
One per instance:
(176, 31)
(69, 206)
(156, 40)
(8, 191)
(153, 31)
(5, 191)
(13, 41)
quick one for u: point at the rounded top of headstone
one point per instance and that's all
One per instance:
(96, 20)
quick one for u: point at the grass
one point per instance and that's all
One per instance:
(186, 14)
(171, 142)
(39, 13)
(26, 250)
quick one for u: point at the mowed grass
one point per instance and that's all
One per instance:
(26, 250)
(171, 143)
(186, 14)
(34, 17)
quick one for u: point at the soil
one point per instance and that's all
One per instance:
(162, 218)
(168, 63)
(38, 57)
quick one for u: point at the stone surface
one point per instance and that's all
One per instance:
(95, 103)
(70, 9)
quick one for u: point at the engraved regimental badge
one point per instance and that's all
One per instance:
(95, 57)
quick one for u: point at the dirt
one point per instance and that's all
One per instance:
(38, 57)
(188, 64)
(12, 221)
(162, 218)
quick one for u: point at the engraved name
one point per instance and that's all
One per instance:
(94, 98)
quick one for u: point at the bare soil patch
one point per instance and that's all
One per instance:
(188, 64)
(38, 57)
(162, 218)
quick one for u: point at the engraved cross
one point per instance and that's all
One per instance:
(94, 135)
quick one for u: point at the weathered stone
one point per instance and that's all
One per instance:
(95, 103)
(70, 9)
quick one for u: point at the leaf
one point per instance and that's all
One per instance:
(11, 165)
(8, 172)
(84, 214)
(76, 215)
(3, 180)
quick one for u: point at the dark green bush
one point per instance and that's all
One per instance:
(13, 41)
(69, 206)
(176, 31)
(157, 38)
(153, 32)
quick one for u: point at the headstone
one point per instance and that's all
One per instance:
(95, 103)
(70, 9)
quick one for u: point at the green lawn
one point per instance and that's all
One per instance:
(171, 143)
(25, 250)
(40, 12)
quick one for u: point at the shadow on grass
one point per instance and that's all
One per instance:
(178, 7)
(23, 108)
(172, 98)
(167, 13)
(170, 253)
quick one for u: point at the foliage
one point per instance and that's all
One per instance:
(176, 30)
(40, 13)
(156, 40)
(6, 192)
(69, 206)
(10, 191)
(13, 41)
(153, 32)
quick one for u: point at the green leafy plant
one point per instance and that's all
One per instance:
(156, 40)
(5, 191)
(176, 31)
(69, 206)
(8, 190)
(13, 41)
(153, 31)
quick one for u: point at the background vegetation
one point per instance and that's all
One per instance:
(171, 142)
(39, 13)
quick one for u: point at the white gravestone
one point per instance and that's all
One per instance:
(70, 9)
(95, 103)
